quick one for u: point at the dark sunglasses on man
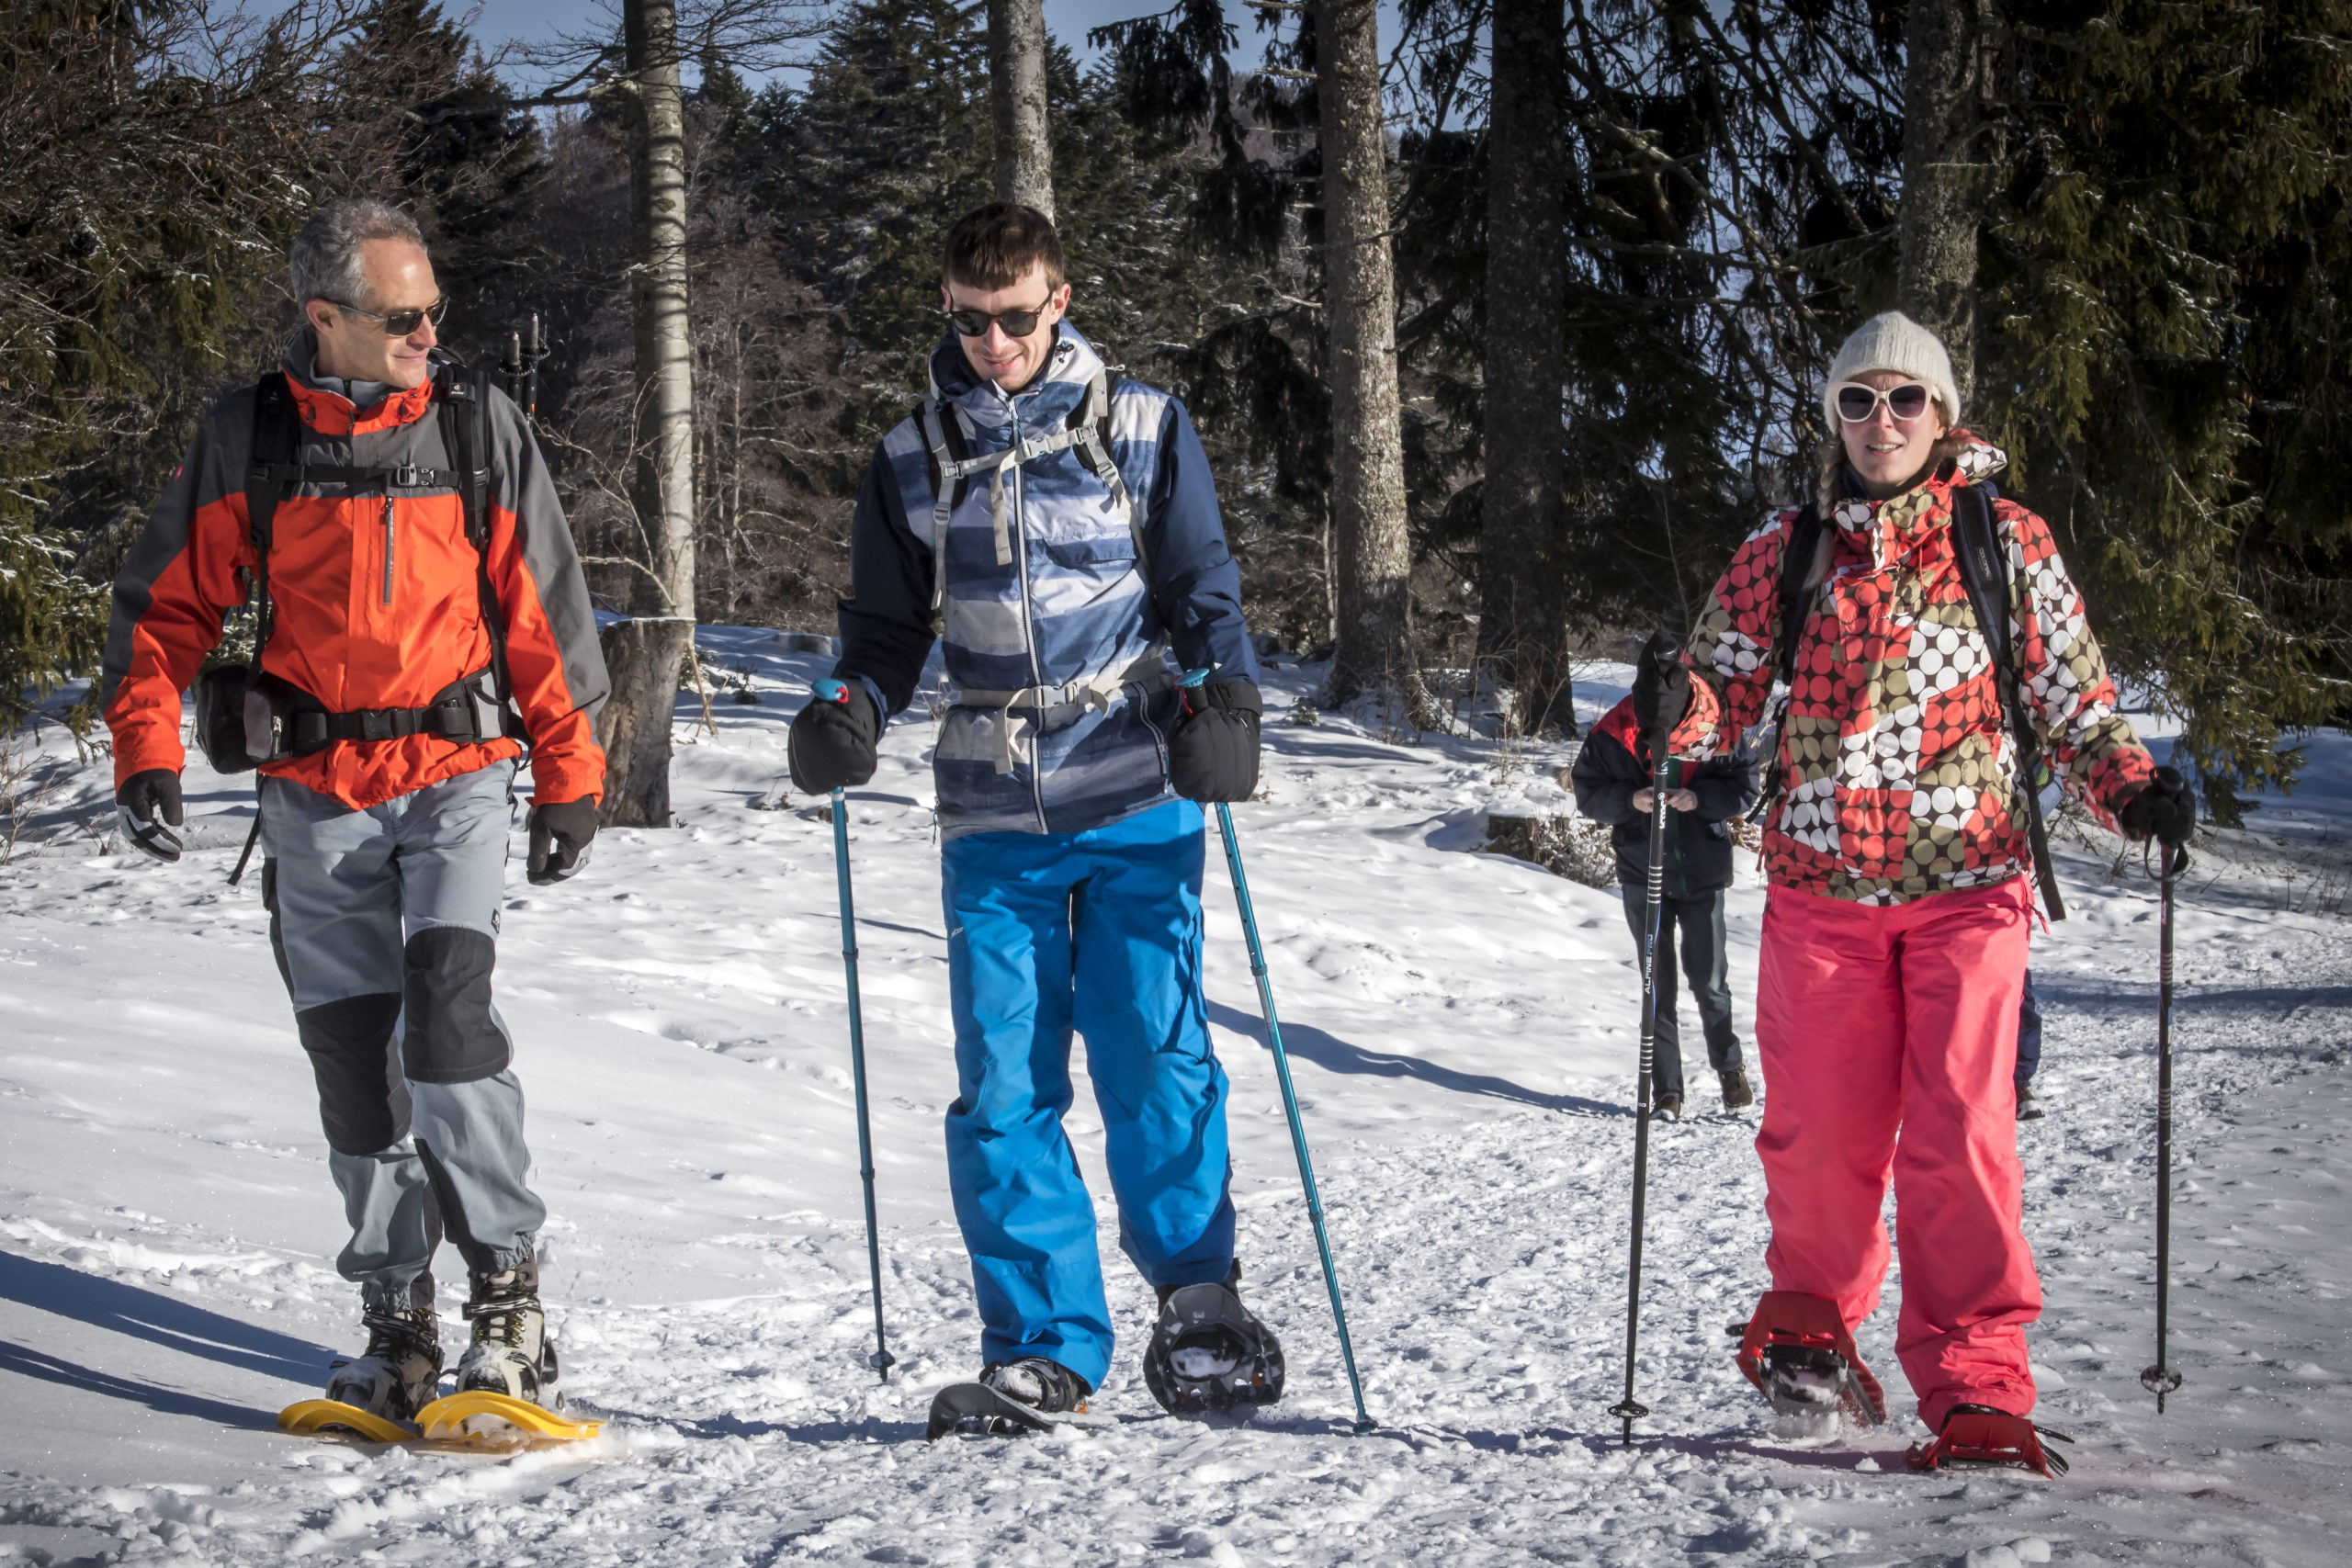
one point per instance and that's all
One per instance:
(399, 323)
(1016, 323)
(1858, 404)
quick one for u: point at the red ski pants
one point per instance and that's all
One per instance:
(1871, 1022)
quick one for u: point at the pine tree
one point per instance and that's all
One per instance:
(2166, 263)
(138, 190)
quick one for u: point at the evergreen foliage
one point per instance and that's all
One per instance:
(2165, 266)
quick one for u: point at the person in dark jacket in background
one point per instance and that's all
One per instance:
(2029, 1051)
(1612, 779)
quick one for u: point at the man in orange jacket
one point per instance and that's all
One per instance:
(422, 614)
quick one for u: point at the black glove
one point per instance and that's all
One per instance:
(2164, 808)
(148, 806)
(560, 833)
(1661, 686)
(833, 739)
(1214, 753)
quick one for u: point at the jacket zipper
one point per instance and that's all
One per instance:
(387, 547)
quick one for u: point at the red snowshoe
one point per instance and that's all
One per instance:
(1798, 1354)
(1978, 1434)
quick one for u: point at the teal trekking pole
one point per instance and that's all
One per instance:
(831, 691)
(1290, 1095)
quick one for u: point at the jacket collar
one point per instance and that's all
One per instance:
(330, 413)
(1893, 528)
(1059, 388)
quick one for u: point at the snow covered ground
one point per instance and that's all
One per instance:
(1463, 1030)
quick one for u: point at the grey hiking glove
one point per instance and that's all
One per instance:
(560, 833)
(147, 808)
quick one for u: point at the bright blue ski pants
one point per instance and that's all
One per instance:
(1098, 932)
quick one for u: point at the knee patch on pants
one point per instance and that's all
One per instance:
(451, 1037)
(363, 1103)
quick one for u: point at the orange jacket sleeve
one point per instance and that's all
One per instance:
(181, 581)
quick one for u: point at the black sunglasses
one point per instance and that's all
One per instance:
(400, 323)
(1016, 323)
(1857, 404)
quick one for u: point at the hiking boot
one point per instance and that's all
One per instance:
(1668, 1106)
(2028, 1108)
(510, 1353)
(1738, 1096)
(1044, 1386)
(400, 1373)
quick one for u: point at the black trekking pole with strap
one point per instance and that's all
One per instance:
(882, 1360)
(2161, 1379)
(1652, 909)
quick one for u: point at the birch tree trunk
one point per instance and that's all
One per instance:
(1372, 557)
(644, 653)
(1522, 631)
(1025, 153)
(1947, 141)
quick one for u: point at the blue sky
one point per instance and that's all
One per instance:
(529, 21)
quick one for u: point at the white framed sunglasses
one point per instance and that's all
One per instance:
(1858, 404)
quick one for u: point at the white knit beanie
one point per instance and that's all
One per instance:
(1893, 342)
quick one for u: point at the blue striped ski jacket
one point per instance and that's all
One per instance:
(1072, 590)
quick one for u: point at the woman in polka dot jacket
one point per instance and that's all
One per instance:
(1894, 935)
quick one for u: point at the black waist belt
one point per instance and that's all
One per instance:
(456, 712)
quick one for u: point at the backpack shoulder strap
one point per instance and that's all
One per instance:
(271, 469)
(465, 435)
(945, 448)
(1984, 573)
(1090, 422)
(1796, 565)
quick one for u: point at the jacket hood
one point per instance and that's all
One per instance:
(1059, 388)
(1893, 527)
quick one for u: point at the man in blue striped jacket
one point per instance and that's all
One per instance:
(1062, 526)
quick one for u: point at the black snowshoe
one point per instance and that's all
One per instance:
(1029, 1394)
(1208, 1353)
(399, 1372)
(510, 1353)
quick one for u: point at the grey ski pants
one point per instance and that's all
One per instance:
(385, 923)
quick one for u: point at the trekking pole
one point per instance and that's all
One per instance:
(1290, 1096)
(1653, 906)
(2161, 1379)
(1290, 1104)
(882, 1360)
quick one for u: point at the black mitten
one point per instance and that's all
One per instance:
(834, 739)
(1213, 755)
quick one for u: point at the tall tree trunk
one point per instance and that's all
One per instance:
(1025, 155)
(1374, 559)
(1522, 631)
(645, 652)
(1945, 147)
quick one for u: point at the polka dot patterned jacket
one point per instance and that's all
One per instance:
(1897, 768)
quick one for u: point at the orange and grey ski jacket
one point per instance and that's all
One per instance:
(377, 593)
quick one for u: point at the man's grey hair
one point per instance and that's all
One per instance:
(325, 257)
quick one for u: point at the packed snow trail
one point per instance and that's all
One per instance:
(1463, 1028)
